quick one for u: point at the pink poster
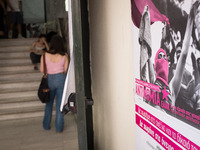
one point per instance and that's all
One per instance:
(166, 41)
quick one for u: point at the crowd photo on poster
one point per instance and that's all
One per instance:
(170, 75)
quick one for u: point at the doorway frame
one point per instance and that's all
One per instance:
(81, 48)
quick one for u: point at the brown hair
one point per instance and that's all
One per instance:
(57, 45)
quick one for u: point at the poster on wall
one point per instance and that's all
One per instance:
(166, 45)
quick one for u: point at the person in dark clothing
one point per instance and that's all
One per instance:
(2, 14)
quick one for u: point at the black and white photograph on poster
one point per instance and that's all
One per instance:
(169, 67)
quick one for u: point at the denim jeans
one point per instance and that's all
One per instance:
(56, 85)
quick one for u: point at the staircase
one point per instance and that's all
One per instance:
(18, 81)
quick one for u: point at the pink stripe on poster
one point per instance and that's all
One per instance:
(164, 141)
(176, 136)
(146, 84)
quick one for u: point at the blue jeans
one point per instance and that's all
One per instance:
(56, 85)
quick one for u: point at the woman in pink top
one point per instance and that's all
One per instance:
(56, 63)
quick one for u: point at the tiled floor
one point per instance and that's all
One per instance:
(28, 134)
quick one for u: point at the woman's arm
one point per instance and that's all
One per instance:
(46, 45)
(3, 6)
(66, 65)
(20, 5)
(41, 64)
(9, 5)
(175, 84)
(151, 71)
(32, 49)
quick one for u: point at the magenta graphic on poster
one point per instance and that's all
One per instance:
(173, 134)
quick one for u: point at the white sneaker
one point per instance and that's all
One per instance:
(10, 34)
(20, 36)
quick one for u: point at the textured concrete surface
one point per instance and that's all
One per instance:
(28, 134)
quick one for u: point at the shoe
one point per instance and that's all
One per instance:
(59, 132)
(36, 68)
(20, 36)
(10, 34)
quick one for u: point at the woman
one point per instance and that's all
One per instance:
(56, 64)
(37, 49)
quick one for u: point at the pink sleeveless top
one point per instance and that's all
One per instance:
(54, 68)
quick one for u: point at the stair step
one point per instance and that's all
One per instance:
(17, 42)
(7, 96)
(19, 87)
(22, 105)
(13, 55)
(22, 89)
(24, 99)
(19, 82)
(20, 77)
(11, 108)
(23, 115)
(25, 67)
(19, 72)
(8, 49)
(14, 62)
(22, 81)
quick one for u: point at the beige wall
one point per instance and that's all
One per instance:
(112, 74)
